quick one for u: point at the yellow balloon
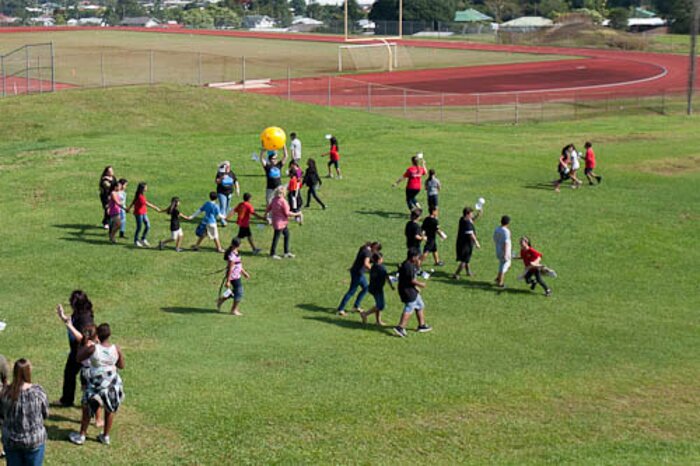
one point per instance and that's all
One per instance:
(273, 138)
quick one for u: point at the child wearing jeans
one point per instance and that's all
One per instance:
(234, 278)
(378, 276)
(208, 227)
(140, 205)
(432, 188)
(122, 200)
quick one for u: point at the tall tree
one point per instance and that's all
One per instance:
(414, 10)
(502, 9)
(299, 7)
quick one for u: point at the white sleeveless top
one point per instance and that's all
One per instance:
(104, 357)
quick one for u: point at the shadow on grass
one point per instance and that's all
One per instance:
(78, 226)
(56, 432)
(351, 324)
(316, 308)
(483, 285)
(542, 186)
(190, 310)
(383, 213)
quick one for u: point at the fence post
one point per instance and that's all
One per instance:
(199, 68)
(442, 107)
(329, 91)
(53, 68)
(4, 81)
(150, 67)
(38, 68)
(243, 72)
(477, 109)
(102, 69)
(575, 107)
(369, 97)
(26, 66)
(517, 109)
(541, 110)
(289, 82)
(404, 103)
(663, 102)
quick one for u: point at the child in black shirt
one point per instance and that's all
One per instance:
(430, 228)
(378, 276)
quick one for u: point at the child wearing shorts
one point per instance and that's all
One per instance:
(234, 278)
(378, 276)
(244, 210)
(176, 233)
(208, 225)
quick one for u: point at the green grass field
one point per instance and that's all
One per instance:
(85, 57)
(604, 372)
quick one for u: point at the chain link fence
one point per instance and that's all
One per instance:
(28, 69)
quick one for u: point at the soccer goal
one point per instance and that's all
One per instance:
(377, 56)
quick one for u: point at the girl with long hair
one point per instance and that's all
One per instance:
(82, 316)
(176, 233)
(333, 157)
(140, 205)
(312, 181)
(24, 408)
(107, 184)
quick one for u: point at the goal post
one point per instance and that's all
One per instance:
(382, 47)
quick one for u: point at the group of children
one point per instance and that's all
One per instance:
(569, 164)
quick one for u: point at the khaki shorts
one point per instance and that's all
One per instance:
(212, 231)
(176, 234)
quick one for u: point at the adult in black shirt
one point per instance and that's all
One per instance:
(466, 240)
(413, 231)
(357, 276)
(82, 316)
(226, 183)
(408, 292)
(107, 184)
(273, 171)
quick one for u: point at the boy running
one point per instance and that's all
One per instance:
(590, 164)
(430, 228)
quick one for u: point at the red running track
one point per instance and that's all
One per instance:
(599, 74)
(19, 85)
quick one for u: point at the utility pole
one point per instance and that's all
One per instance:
(695, 18)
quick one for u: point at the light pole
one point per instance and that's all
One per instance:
(695, 17)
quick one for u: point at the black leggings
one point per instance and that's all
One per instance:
(537, 274)
(312, 192)
(70, 372)
(104, 200)
(276, 238)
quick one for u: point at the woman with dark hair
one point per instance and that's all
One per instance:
(312, 181)
(140, 205)
(226, 184)
(362, 264)
(81, 317)
(104, 385)
(23, 408)
(466, 240)
(532, 260)
(107, 184)
(563, 168)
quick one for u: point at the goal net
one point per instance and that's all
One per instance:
(375, 56)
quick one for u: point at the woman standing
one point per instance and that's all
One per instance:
(23, 408)
(226, 184)
(312, 181)
(104, 385)
(81, 317)
(107, 184)
(562, 168)
(279, 216)
(466, 240)
(414, 175)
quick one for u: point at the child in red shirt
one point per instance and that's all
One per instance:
(334, 158)
(533, 266)
(244, 210)
(590, 164)
(140, 206)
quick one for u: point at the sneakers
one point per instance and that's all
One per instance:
(401, 332)
(76, 438)
(342, 313)
(424, 328)
(145, 243)
(178, 249)
(439, 264)
(138, 244)
(103, 439)
(548, 293)
(289, 255)
(106, 227)
(276, 257)
(358, 309)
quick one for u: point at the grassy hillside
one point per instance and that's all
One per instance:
(604, 372)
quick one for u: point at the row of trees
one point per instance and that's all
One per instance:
(230, 12)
